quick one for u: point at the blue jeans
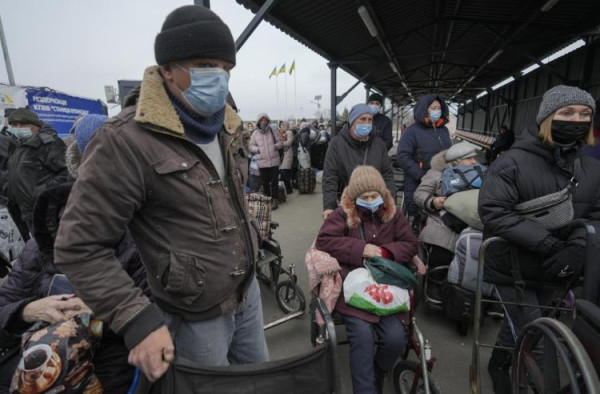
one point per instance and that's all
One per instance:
(364, 360)
(236, 337)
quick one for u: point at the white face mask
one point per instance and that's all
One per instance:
(22, 133)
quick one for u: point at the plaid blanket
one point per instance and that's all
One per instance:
(259, 207)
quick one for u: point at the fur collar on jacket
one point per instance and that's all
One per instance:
(73, 159)
(154, 107)
(353, 219)
(438, 162)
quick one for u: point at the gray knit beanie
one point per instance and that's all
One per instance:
(561, 96)
(357, 111)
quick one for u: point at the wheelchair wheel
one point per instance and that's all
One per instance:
(404, 375)
(562, 365)
(290, 297)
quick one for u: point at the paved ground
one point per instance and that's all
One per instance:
(300, 221)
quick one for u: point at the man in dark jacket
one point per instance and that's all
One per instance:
(25, 295)
(420, 142)
(352, 147)
(503, 142)
(381, 123)
(37, 163)
(7, 146)
(172, 168)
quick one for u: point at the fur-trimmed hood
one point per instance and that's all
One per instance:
(154, 109)
(354, 216)
(438, 162)
(73, 159)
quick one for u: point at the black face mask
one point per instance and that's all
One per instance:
(567, 132)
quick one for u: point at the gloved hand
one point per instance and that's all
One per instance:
(564, 264)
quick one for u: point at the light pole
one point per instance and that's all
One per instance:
(11, 78)
(316, 101)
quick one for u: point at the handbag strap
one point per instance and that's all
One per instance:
(574, 181)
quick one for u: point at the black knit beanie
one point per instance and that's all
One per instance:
(375, 97)
(193, 31)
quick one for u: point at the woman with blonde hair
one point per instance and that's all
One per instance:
(545, 159)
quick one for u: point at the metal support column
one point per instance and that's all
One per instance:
(333, 95)
(11, 78)
(368, 92)
(266, 7)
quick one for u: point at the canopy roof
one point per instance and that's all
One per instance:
(453, 47)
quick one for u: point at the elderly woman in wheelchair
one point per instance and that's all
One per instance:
(442, 228)
(529, 197)
(368, 224)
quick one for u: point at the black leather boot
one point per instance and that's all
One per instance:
(498, 367)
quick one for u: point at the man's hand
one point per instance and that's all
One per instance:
(153, 354)
(54, 308)
(438, 203)
(371, 250)
(326, 213)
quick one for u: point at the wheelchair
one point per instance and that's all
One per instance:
(315, 372)
(409, 376)
(547, 333)
(269, 266)
(570, 359)
(269, 270)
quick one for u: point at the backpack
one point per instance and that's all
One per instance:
(463, 268)
(461, 178)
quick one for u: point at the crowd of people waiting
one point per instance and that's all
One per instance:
(135, 225)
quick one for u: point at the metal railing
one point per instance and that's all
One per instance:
(480, 139)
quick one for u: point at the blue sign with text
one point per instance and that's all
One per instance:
(60, 110)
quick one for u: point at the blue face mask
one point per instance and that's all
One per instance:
(363, 130)
(372, 206)
(22, 133)
(435, 115)
(375, 109)
(208, 89)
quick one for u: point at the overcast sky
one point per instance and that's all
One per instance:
(78, 46)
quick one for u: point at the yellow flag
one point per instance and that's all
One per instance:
(282, 69)
(274, 72)
(293, 67)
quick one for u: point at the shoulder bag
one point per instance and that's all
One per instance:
(553, 210)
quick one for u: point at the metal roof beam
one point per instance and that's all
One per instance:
(530, 57)
(258, 17)
(499, 49)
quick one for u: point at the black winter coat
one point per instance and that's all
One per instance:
(7, 146)
(344, 155)
(35, 165)
(383, 129)
(30, 280)
(420, 142)
(530, 169)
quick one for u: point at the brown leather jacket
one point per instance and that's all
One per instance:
(193, 231)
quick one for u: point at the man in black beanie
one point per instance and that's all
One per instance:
(381, 123)
(171, 168)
